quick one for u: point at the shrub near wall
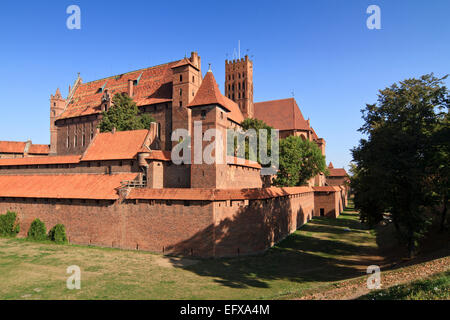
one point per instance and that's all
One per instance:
(37, 231)
(58, 234)
(9, 227)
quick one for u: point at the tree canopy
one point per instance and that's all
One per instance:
(300, 160)
(124, 115)
(402, 166)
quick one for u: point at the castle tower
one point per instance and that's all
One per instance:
(239, 84)
(187, 78)
(209, 111)
(57, 105)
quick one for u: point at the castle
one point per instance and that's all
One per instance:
(122, 189)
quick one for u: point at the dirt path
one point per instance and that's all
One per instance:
(352, 289)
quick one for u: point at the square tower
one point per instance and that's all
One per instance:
(239, 84)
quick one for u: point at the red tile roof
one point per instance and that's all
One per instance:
(40, 160)
(242, 162)
(65, 186)
(281, 114)
(160, 155)
(326, 189)
(184, 62)
(337, 172)
(39, 149)
(12, 146)
(115, 146)
(214, 194)
(155, 86)
(209, 93)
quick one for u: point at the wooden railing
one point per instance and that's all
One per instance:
(133, 184)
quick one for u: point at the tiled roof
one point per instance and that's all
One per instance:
(155, 86)
(243, 162)
(64, 186)
(214, 194)
(40, 160)
(160, 155)
(281, 114)
(184, 62)
(337, 172)
(115, 146)
(12, 146)
(39, 149)
(326, 189)
(209, 93)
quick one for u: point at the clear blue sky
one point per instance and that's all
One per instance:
(321, 50)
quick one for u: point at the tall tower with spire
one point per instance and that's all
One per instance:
(239, 84)
(57, 105)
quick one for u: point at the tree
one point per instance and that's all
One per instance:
(124, 115)
(397, 165)
(300, 160)
(257, 125)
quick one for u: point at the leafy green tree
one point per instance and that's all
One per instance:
(124, 115)
(58, 234)
(37, 230)
(9, 225)
(300, 160)
(397, 165)
(252, 152)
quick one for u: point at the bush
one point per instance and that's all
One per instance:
(58, 234)
(37, 231)
(9, 226)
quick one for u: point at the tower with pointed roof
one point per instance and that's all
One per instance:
(57, 105)
(209, 110)
(239, 84)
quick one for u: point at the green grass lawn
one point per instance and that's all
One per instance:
(319, 253)
(436, 287)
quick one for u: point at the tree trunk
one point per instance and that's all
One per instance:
(444, 214)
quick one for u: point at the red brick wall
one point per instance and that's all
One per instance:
(330, 202)
(199, 228)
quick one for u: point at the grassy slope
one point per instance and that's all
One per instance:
(436, 287)
(320, 253)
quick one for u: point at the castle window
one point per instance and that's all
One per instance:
(181, 77)
(181, 92)
(68, 142)
(193, 79)
(181, 103)
(203, 114)
(75, 140)
(83, 140)
(239, 86)
(192, 92)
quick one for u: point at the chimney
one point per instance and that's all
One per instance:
(130, 87)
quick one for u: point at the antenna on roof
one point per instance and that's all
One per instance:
(293, 93)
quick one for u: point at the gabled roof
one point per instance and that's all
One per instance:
(115, 146)
(19, 147)
(155, 86)
(184, 62)
(281, 114)
(39, 149)
(337, 172)
(12, 146)
(40, 160)
(209, 94)
(64, 186)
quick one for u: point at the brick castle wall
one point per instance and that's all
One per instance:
(198, 228)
